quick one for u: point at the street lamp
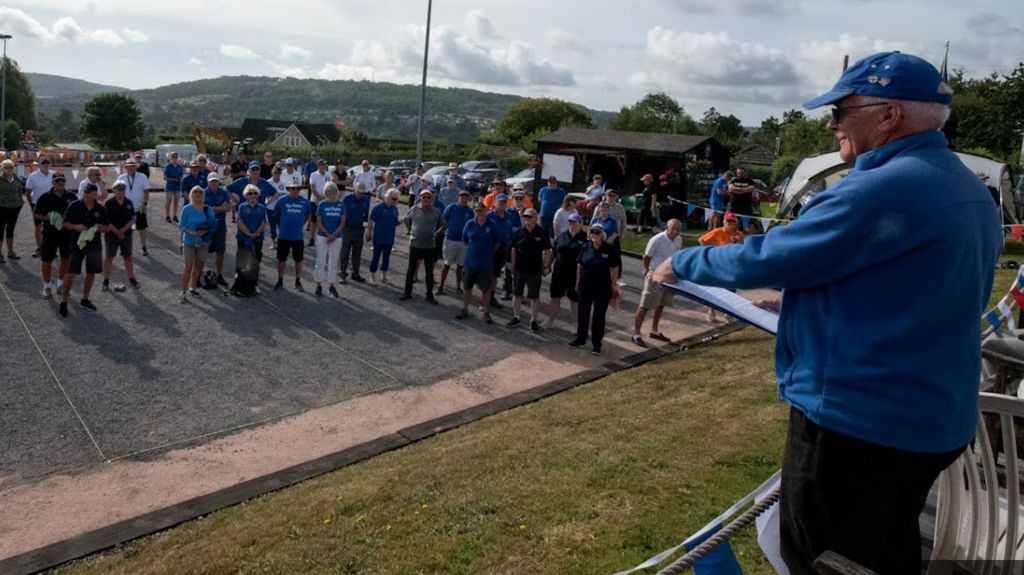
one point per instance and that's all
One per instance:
(423, 90)
(3, 95)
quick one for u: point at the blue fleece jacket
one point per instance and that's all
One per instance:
(885, 276)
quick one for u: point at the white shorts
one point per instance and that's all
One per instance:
(653, 295)
(453, 252)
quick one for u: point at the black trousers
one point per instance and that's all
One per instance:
(351, 243)
(428, 256)
(859, 499)
(596, 303)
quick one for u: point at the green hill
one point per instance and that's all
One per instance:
(50, 86)
(376, 108)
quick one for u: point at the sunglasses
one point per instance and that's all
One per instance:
(251, 195)
(45, 163)
(595, 232)
(837, 111)
(527, 217)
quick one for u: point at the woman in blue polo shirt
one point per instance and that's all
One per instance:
(381, 232)
(330, 217)
(197, 223)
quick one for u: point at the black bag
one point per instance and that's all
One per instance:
(247, 274)
(208, 280)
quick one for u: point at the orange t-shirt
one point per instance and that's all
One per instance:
(721, 236)
(490, 199)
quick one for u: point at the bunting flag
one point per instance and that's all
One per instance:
(117, 170)
(104, 172)
(993, 319)
(689, 209)
(765, 223)
(745, 221)
(707, 215)
(1007, 313)
(74, 174)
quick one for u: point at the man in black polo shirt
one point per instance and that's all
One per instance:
(741, 193)
(121, 215)
(54, 240)
(86, 220)
(239, 166)
(530, 247)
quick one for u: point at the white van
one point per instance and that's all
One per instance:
(186, 152)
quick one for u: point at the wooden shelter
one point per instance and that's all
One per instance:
(623, 157)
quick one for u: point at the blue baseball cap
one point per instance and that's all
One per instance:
(502, 198)
(254, 164)
(889, 75)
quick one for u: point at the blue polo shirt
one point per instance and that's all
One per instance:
(238, 186)
(356, 210)
(309, 168)
(480, 241)
(330, 215)
(172, 177)
(385, 220)
(215, 200)
(503, 226)
(196, 221)
(609, 225)
(719, 193)
(188, 181)
(456, 216)
(253, 217)
(292, 214)
(550, 200)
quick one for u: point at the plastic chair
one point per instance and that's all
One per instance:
(979, 524)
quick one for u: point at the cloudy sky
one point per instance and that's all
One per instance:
(752, 58)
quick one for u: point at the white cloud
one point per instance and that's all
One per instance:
(290, 52)
(715, 59)
(68, 29)
(821, 61)
(477, 24)
(565, 40)
(16, 22)
(195, 61)
(236, 51)
(134, 35)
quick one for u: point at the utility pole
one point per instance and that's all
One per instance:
(423, 90)
(3, 95)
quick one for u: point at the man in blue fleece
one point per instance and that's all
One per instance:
(884, 277)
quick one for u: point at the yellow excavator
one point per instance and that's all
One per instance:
(200, 134)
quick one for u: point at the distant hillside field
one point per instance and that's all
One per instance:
(375, 108)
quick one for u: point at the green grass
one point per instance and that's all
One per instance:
(593, 480)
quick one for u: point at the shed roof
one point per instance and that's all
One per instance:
(623, 140)
(260, 130)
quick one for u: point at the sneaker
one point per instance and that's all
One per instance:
(175, 218)
(168, 218)
(430, 299)
(513, 322)
(404, 297)
(35, 254)
(439, 291)
(659, 336)
(596, 350)
(87, 304)
(319, 291)
(534, 326)
(119, 288)
(495, 304)
(298, 286)
(145, 252)
(106, 285)
(342, 280)
(60, 284)
(193, 292)
(637, 340)
(221, 281)
(358, 279)
(577, 343)
(47, 290)
(384, 279)
(63, 311)
(487, 318)
(134, 283)
(13, 256)
(506, 297)
(184, 297)
(311, 243)
(463, 314)
(279, 285)
(373, 279)
(2, 260)
(458, 290)
(333, 291)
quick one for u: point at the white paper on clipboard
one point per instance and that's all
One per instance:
(559, 166)
(727, 302)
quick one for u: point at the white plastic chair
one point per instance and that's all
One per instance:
(979, 524)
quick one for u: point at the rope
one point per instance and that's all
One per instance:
(687, 561)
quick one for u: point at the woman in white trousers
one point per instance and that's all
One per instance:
(330, 221)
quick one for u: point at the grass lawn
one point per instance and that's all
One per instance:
(593, 480)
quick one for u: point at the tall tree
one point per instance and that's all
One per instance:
(20, 101)
(113, 121)
(531, 119)
(655, 112)
(726, 129)
(988, 113)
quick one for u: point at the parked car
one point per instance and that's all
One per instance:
(525, 178)
(434, 175)
(478, 181)
(431, 164)
(400, 165)
(475, 165)
(186, 153)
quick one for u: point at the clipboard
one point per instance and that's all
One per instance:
(727, 302)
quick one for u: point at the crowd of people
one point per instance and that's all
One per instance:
(498, 244)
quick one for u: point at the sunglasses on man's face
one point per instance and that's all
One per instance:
(837, 111)
(595, 232)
